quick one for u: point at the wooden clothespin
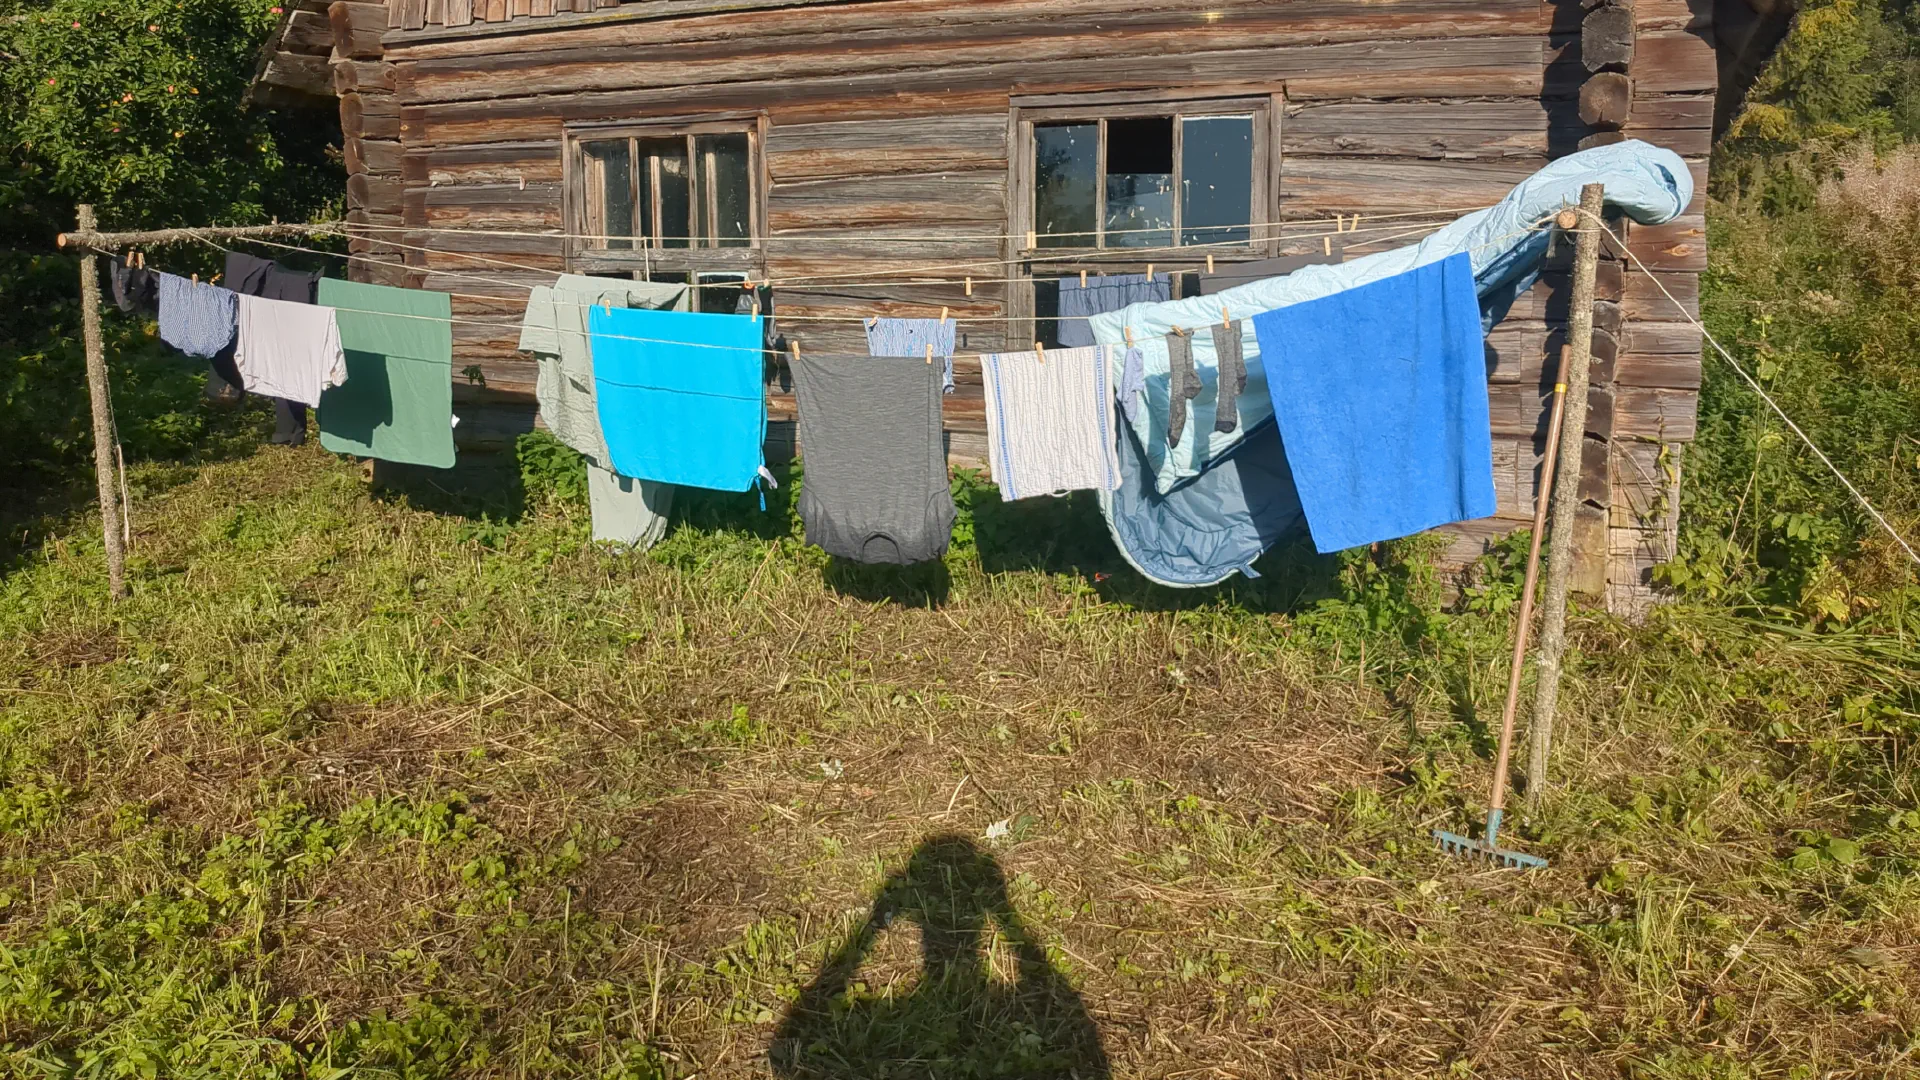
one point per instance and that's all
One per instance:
(943, 316)
(606, 305)
(1128, 330)
(929, 354)
(1226, 317)
(1209, 262)
(214, 280)
(793, 347)
(1033, 240)
(1039, 352)
(969, 286)
(1149, 273)
(1354, 225)
(1083, 279)
(756, 305)
(873, 322)
(196, 279)
(1326, 243)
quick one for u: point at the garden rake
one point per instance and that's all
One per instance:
(1489, 848)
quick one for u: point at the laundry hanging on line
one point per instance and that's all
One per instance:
(1103, 293)
(876, 487)
(396, 403)
(1506, 242)
(288, 350)
(682, 396)
(1194, 532)
(1050, 422)
(133, 288)
(629, 512)
(1387, 432)
(913, 337)
(1234, 275)
(250, 275)
(197, 318)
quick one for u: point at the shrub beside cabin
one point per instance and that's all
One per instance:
(715, 141)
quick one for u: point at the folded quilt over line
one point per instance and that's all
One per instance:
(1649, 184)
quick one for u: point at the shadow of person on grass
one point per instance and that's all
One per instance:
(966, 1016)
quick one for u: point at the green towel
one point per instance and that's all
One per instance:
(397, 402)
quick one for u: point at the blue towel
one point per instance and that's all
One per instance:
(196, 318)
(1104, 293)
(681, 395)
(1381, 394)
(910, 337)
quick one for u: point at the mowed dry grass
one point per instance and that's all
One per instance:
(354, 786)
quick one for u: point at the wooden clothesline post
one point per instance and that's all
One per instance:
(106, 465)
(104, 443)
(1566, 491)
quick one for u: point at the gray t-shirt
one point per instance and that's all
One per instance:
(875, 487)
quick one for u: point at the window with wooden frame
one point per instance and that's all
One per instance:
(683, 202)
(1110, 183)
(1127, 176)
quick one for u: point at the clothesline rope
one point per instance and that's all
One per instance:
(1865, 504)
(1339, 220)
(813, 282)
(904, 283)
(515, 327)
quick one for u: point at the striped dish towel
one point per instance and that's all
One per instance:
(1050, 422)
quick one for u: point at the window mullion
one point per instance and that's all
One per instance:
(1100, 188)
(1179, 177)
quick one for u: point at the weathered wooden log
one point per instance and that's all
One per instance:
(1606, 101)
(1607, 38)
(307, 32)
(1602, 138)
(350, 76)
(380, 157)
(298, 73)
(381, 195)
(356, 28)
(369, 116)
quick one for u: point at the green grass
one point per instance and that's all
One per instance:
(352, 788)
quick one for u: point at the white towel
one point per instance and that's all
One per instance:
(1050, 422)
(288, 350)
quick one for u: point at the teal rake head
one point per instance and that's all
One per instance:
(1455, 844)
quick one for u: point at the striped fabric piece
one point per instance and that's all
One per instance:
(1050, 422)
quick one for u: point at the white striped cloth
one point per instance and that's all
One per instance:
(1050, 422)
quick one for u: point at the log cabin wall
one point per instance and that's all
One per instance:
(898, 117)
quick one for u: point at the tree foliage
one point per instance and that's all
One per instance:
(140, 108)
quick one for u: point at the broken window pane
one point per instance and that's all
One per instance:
(725, 189)
(1065, 196)
(1216, 179)
(610, 192)
(1140, 182)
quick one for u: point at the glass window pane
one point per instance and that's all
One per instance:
(724, 204)
(1216, 180)
(1065, 163)
(1046, 313)
(1140, 182)
(667, 160)
(609, 191)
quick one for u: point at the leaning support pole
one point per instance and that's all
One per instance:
(1566, 491)
(104, 444)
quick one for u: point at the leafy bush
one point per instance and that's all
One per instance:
(1811, 288)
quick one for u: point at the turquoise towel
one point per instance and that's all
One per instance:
(1381, 394)
(681, 395)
